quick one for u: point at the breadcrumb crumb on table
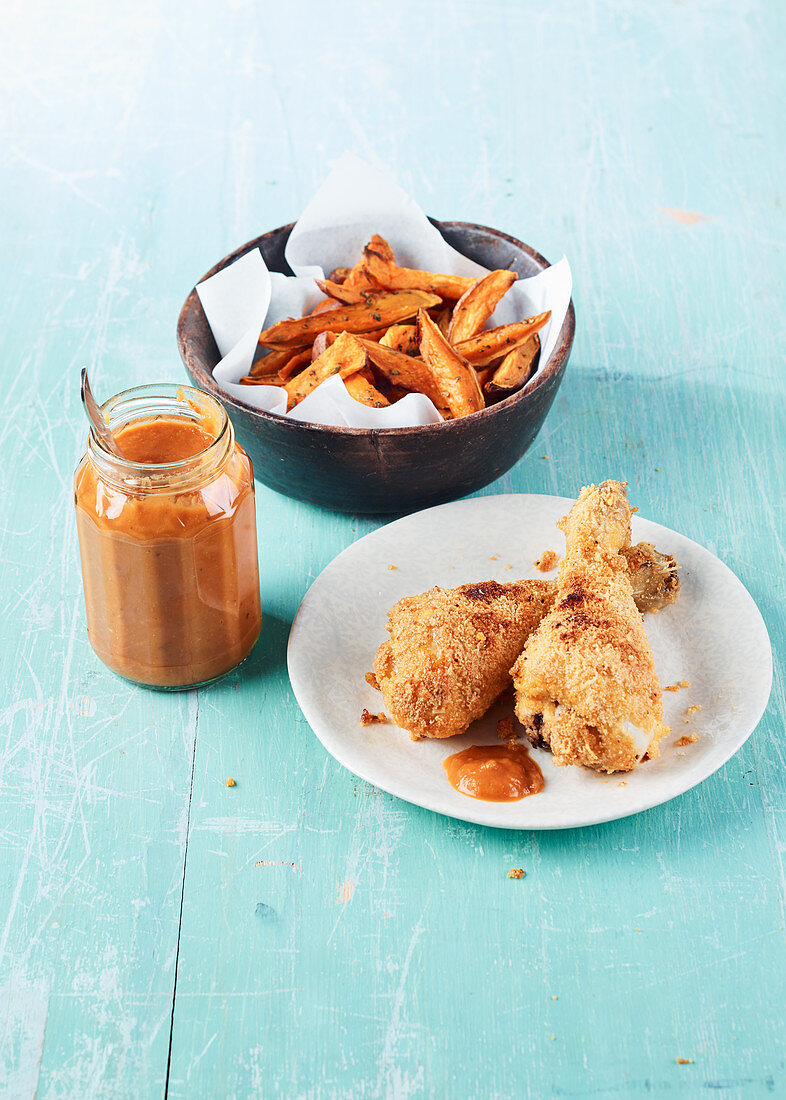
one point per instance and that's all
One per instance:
(517, 872)
(547, 561)
(684, 1061)
(230, 782)
(368, 719)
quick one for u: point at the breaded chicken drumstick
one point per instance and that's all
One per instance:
(585, 682)
(450, 649)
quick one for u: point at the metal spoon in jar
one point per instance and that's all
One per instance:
(97, 418)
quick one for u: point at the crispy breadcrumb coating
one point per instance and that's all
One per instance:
(585, 682)
(450, 651)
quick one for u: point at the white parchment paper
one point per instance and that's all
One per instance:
(355, 201)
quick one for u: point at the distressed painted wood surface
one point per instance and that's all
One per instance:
(380, 950)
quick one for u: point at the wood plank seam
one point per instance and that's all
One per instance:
(182, 896)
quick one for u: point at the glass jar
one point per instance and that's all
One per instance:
(167, 539)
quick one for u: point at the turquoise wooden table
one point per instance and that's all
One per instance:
(303, 934)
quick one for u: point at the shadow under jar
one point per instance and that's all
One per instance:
(167, 539)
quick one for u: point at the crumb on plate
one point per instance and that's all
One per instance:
(546, 562)
(688, 739)
(367, 719)
(676, 687)
(372, 680)
(692, 710)
(505, 730)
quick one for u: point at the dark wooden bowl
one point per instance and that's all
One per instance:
(378, 470)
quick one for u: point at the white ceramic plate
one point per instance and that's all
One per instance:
(713, 637)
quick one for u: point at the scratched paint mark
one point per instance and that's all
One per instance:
(346, 891)
(24, 1005)
(279, 863)
(266, 912)
(682, 217)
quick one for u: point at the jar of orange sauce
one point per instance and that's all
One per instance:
(167, 539)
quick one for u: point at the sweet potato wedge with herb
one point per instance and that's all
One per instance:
(292, 366)
(381, 310)
(402, 370)
(456, 380)
(381, 247)
(492, 344)
(475, 307)
(402, 338)
(388, 275)
(345, 356)
(516, 368)
(358, 277)
(361, 387)
(340, 292)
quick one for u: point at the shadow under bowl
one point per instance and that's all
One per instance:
(383, 470)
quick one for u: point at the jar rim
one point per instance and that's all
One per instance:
(162, 399)
(131, 403)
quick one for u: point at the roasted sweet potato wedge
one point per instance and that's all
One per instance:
(358, 277)
(271, 363)
(381, 310)
(361, 387)
(441, 318)
(340, 292)
(389, 275)
(402, 338)
(325, 305)
(475, 307)
(492, 344)
(516, 368)
(381, 247)
(299, 360)
(345, 356)
(404, 371)
(265, 380)
(322, 343)
(455, 378)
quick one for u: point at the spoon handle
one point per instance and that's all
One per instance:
(97, 418)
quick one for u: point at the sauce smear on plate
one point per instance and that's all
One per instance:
(494, 773)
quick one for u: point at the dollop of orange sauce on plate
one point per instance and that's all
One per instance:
(494, 773)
